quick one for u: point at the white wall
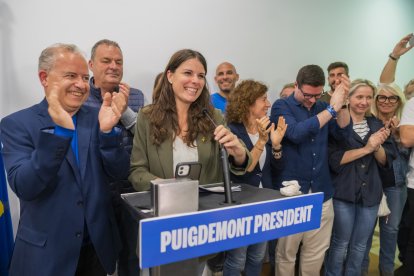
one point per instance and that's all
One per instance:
(267, 40)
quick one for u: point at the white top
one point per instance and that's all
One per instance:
(254, 138)
(183, 153)
(408, 119)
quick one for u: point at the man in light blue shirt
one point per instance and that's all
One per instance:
(226, 78)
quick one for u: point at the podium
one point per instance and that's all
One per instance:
(258, 215)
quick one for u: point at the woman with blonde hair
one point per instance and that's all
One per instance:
(354, 164)
(388, 105)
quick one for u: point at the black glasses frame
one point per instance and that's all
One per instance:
(390, 99)
(310, 96)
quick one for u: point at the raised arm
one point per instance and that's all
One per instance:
(388, 72)
(338, 100)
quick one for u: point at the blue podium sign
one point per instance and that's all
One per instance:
(170, 239)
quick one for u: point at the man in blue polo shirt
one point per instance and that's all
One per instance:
(305, 146)
(226, 78)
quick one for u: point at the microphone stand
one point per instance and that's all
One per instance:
(226, 175)
(225, 165)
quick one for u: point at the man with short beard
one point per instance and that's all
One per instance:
(226, 78)
(335, 71)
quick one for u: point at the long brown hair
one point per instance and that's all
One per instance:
(162, 113)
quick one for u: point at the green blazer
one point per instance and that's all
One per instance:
(149, 161)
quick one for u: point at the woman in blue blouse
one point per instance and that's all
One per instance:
(246, 116)
(354, 164)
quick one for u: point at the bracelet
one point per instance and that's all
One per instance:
(332, 111)
(392, 57)
(277, 154)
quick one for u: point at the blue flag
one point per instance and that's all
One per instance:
(6, 229)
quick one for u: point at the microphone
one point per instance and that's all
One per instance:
(224, 163)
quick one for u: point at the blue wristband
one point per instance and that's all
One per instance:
(332, 111)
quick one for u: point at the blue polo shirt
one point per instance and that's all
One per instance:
(305, 145)
(219, 102)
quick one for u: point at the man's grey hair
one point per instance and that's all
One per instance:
(48, 56)
(103, 42)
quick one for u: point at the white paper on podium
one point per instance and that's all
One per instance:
(220, 189)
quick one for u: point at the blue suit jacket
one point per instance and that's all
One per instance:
(271, 166)
(358, 181)
(56, 195)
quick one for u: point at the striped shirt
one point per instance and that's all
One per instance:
(361, 128)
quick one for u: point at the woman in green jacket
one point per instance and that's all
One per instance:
(174, 128)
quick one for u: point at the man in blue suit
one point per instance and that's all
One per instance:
(60, 157)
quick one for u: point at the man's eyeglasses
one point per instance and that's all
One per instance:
(391, 99)
(310, 96)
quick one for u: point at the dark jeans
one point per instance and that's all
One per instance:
(88, 263)
(403, 233)
(272, 252)
(248, 258)
(396, 197)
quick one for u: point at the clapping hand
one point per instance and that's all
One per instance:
(340, 94)
(377, 139)
(276, 135)
(122, 102)
(111, 110)
(263, 129)
(59, 115)
(392, 123)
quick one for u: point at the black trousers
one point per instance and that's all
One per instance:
(409, 257)
(128, 264)
(88, 263)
